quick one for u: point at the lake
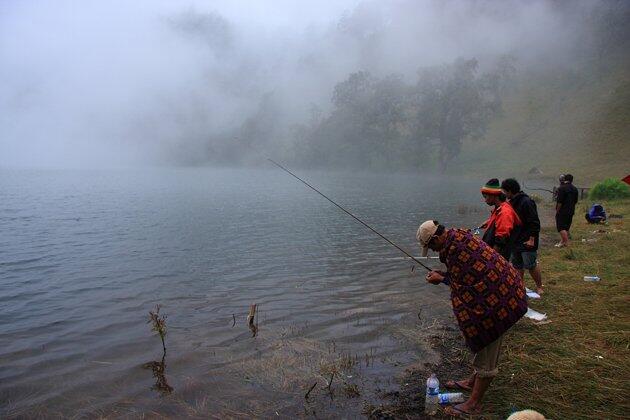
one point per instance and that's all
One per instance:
(85, 255)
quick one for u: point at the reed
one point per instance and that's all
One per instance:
(158, 325)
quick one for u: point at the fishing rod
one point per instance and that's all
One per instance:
(349, 213)
(536, 189)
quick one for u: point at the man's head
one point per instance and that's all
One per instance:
(431, 235)
(568, 178)
(491, 192)
(510, 187)
(561, 178)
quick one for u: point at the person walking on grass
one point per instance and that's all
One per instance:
(566, 199)
(524, 251)
(488, 298)
(503, 225)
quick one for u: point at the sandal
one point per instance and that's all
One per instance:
(457, 385)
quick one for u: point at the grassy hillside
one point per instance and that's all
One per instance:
(574, 365)
(561, 122)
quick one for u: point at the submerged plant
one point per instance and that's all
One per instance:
(252, 319)
(159, 367)
(158, 325)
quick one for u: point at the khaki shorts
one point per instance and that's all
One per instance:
(485, 361)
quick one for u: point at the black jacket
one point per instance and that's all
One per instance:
(567, 198)
(528, 213)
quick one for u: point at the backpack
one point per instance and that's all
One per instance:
(596, 214)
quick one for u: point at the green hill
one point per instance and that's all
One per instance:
(560, 122)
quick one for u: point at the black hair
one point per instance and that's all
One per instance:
(511, 185)
(492, 181)
(568, 178)
(440, 230)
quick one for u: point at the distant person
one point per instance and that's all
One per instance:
(566, 199)
(503, 225)
(596, 214)
(524, 251)
(487, 295)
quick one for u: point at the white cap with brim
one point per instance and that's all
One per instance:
(425, 233)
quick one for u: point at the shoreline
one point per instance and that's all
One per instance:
(572, 365)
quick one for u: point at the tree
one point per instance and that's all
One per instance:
(387, 124)
(454, 103)
(368, 126)
(354, 92)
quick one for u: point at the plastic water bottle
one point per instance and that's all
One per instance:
(451, 397)
(591, 278)
(432, 398)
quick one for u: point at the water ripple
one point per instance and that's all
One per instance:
(85, 256)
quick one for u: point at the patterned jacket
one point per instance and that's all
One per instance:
(487, 292)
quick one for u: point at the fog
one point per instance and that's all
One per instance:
(119, 83)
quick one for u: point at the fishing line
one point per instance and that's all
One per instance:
(349, 213)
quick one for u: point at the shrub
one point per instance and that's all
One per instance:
(609, 189)
(536, 198)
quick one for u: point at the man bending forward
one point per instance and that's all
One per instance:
(488, 297)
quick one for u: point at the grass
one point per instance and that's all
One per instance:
(562, 121)
(576, 366)
(609, 189)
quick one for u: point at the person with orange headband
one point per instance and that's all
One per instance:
(504, 224)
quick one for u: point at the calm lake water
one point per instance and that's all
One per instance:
(84, 256)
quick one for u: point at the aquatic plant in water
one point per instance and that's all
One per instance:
(158, 324)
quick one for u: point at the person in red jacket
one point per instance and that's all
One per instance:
(504, 224)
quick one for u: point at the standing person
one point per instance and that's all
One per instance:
(524, 252)
(487, 295)
(503, 225)
(567, 198)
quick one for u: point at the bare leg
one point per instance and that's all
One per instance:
(473, 404)
(565, 237)
(471, 381)
(537, 276)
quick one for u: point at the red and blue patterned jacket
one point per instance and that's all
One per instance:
(487, 292)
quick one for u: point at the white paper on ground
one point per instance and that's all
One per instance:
(536, 316)
(532, 294)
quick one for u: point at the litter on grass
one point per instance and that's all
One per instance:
(535, 315)
(591, 278)
(532, 294)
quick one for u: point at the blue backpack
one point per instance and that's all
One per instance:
(596, 214)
